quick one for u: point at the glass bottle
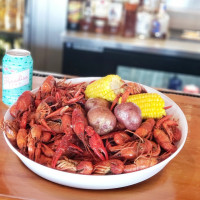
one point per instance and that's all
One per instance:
(154, 6)
(20, 15)
(74, 14)
(160, 24)
(144, 20)
(87, 14)
(129, 21)
(115, 10)
(100, 15)
(2, 13)
(10, 15)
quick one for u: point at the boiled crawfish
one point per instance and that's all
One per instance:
(87, 134)
(51, 128)
(166, 133)
(127, 89)
(24, 102)
(81, 167)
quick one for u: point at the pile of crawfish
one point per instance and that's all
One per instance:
(51, 128)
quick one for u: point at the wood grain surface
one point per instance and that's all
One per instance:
(179, 180)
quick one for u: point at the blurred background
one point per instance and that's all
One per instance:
(154, 42)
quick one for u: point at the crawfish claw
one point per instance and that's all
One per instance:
(62, 147)
(96, 143)
(101, 153)
(56, 157)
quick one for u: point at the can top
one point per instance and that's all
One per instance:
(18, 52)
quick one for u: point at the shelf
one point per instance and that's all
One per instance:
(13, 34)
(170, 47)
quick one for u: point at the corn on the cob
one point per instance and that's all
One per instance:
(107, 88)
(151, 104)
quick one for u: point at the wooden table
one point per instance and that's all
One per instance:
(180, 179)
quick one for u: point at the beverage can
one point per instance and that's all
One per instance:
(17, 73)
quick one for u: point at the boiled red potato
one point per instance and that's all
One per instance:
(101, 119)
(128, 114)
(92, 102)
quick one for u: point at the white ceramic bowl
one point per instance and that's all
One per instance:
(105, 181)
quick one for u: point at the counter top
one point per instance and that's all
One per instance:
(170, 47)
(180, 179)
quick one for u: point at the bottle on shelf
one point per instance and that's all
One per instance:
(20, 15)
(115, 11)
(100, 15)
(129, 20)
(87, 14)
(10, 15)
(154, 6)
(74, 14)
(144, 19)
(2, 13)
(160, 25)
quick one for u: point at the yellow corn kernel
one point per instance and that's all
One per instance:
(151, 104)
(107, 88)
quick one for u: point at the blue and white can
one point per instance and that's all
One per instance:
(17, 73)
